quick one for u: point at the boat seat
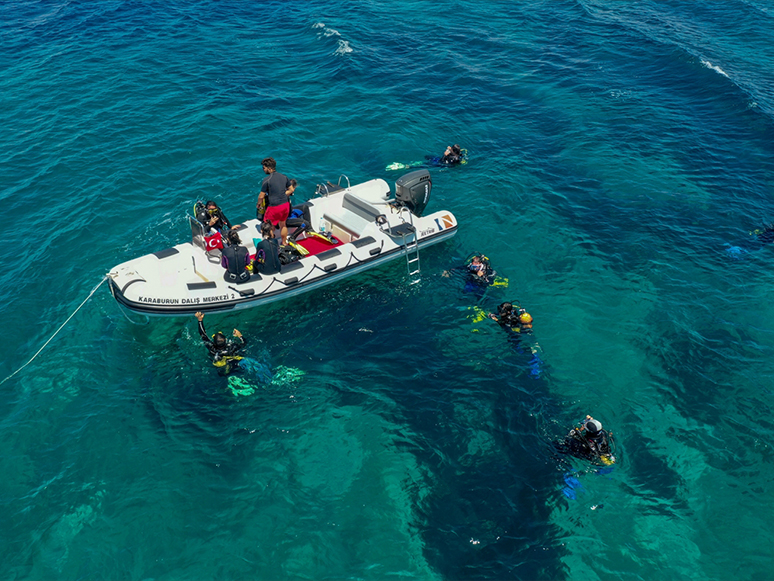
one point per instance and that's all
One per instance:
(360, 207)
(350, 222)
(358, 215)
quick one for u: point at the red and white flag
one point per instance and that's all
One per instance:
(213, 242)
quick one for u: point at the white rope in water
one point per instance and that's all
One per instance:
(57, 331)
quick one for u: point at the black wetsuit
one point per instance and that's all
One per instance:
(235, 260)
(581, 444)
(486, 279)
(267, 256)
(222, 222)
(224, 357)
(451, 159)
(510, 320)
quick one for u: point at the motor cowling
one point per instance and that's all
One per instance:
(413, 191)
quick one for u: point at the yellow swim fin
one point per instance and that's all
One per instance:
(478, 314)
(298, 248)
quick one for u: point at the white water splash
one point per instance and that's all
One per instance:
(717, 69)
(342, 46)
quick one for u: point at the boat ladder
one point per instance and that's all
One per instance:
(411, 245)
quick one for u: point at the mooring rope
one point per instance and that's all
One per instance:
(57, 331)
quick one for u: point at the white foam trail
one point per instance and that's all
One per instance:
(709, 65)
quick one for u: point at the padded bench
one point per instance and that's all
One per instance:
(359, 215)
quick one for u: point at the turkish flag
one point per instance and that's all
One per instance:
(213, 242)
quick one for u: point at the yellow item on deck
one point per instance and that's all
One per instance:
(298, 248)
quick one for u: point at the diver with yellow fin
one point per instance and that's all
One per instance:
(589, 441)
(518, 322)
(224, 353)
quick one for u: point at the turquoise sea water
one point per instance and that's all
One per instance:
(617, 151)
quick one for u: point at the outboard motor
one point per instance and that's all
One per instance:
(413, 191)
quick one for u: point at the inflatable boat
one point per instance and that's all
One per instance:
(357, 228)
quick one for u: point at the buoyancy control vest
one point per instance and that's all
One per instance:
(236, 270)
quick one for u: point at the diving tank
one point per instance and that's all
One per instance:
(413, 191)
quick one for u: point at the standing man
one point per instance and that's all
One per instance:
(275, 188)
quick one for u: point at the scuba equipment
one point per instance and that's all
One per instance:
(477, 261)
(297, 247)
(328, 237)
(461, 158)
(288, 254)
(478, 315)
(593, 443)
(260, 210)
(593, 426)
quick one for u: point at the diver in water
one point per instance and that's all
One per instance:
(224, 353)
(452, 155)
(763, 236)
(513, 318)
(479, 274)
(518, 322)
(589, 442)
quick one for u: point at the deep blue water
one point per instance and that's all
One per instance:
(618, 150)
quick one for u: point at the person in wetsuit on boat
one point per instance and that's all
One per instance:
(235, 259)
(224, 353)
(267, 259)
(589, 442)
(212, 217)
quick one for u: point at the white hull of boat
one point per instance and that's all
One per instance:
(185, 279)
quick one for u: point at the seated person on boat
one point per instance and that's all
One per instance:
(212, 217)
(235, 258)
(267, 259)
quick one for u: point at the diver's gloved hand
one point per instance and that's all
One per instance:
(237, 333)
